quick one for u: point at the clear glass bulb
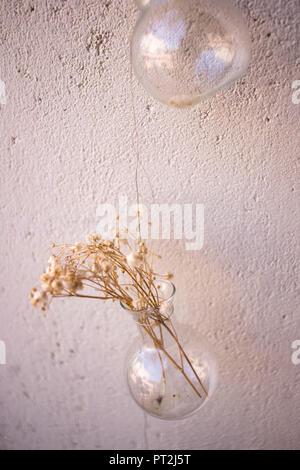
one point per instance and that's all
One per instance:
(157, 385)
(143, 3)
(183, 51)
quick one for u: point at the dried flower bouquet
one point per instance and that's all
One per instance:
(121, 270)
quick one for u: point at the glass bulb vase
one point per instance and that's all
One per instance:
(184, 51)
(171, 371)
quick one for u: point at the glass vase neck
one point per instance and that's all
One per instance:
(153, 313)
(152, 319)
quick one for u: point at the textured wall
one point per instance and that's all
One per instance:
(66, 145)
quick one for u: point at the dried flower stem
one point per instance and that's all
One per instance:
(154, 339)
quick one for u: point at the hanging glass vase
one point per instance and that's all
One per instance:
(171, 371)
(184, 51)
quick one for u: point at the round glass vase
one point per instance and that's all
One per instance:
(184, 51)
(171, 370)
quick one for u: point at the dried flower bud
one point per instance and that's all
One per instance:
(38, 297)
(93, 238)
(134, 260)
(76, 247)
(73, 284)
(106, 267)
(57, 287)
(142, 249)
(51, 264)
(95, 268)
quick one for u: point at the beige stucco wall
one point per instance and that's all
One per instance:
(66, 146)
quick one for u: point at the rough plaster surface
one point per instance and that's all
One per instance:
(66, 146)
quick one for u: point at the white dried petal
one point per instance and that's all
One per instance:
(134, 260)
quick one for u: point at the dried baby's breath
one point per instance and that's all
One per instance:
(113, 269)
(117, 270)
